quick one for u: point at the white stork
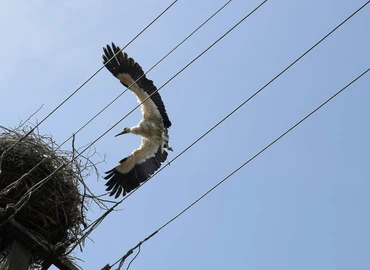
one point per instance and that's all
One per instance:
(144, 161)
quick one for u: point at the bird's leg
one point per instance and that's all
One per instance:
(166, 139)
(169, 148)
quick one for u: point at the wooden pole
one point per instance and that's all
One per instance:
(18, 258)
(29, 242)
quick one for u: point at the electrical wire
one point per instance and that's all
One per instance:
(251, 97)
(97, 222)
(246, 162)
(110, 103)
(29, 192)
(133, 259)
(93, 225)
(82, 85)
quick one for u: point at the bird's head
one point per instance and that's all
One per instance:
(124, 131)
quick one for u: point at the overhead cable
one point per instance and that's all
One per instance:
(82, 85)
(96, 223)
(238, 168)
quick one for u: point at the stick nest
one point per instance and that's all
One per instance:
(55, 211)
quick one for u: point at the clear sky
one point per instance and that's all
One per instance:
(302, 204)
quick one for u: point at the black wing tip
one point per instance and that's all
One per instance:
(119, 183)
(118, 62)
(123, 183)
(167, 123)
(121, 62)
(114, 183)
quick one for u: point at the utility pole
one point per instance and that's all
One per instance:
(41, 205)
(19, 255)
(18, 258)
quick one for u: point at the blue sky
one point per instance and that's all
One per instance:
(302, 204)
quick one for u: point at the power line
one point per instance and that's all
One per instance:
(110, 103)
(25, 197)
(82, 85)
(97, 222)
(94, 224)
(252, 96)
(137, 254)
(164, 57)
(241, 166)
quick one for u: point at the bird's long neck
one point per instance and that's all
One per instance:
(135, 130)
(146, 130)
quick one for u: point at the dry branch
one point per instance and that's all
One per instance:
(55, 212)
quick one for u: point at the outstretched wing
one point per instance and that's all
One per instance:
(135, 169)
(128, 71)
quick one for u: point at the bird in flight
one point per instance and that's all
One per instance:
(153, 127)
